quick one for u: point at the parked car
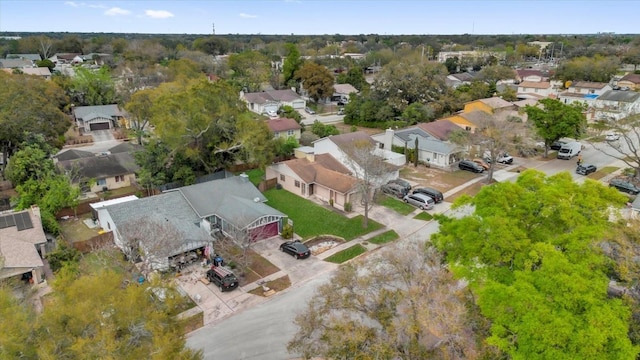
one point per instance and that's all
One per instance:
(394, 189)
(420, 201)
(404, 183)
(343, 102)
(222, 278)
(624, 186)
(556, 145)
(612, 137)
(309, 111)
(430, 192)
(569, 150)
(470, 166)
(585, 169)
(296, 249)
(341, 111)
(272, 113)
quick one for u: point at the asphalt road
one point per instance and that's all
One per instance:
(261, 332)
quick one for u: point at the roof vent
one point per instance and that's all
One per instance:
(256, 199)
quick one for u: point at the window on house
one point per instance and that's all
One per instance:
(297, 183)
(120, 178)
(276, 135)
(290, 132)
(102, 182)
(281, 177)
(536, 90)
(468, 128)
(592, 91)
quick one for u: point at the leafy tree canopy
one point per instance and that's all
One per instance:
(554, 120)
(316, 79)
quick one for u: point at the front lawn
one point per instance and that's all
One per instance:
(396, 205)
(347, 254)
(255, 176)
(384, 238)
(310, 219)
(602, 172)
(423, 216)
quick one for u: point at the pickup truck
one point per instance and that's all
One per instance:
(502, 158)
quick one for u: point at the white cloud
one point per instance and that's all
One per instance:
(71, 3)
(115, 11)
(82, 4)
(248, 16)
(158, 14)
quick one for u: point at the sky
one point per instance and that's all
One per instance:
(318, 17)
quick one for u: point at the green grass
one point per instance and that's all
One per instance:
(384, 238)
(255, 176)
(396, 205)
(600, 173)
(347, 254)
(310, 219)
(423, 216)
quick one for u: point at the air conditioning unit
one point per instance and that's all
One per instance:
(104, 188)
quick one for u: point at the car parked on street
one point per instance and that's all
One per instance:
(556, 145)
(296, 249)
(612, 137)
(309, 110)
(272, 113)
(430, 192)
(585, 169)
(222, 278)
(470, 166)
(420, 201)
(624, 186)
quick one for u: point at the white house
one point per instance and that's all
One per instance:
(615, 105)
(583, 91)
(265, 101)
(534, 90)
(101, 214)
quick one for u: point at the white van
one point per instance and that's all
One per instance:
(569, 150)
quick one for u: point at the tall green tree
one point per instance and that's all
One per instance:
(292, 63)
(251, 69)
(596, 68)
(140, 112)
(554, 120)
(316, 80)
(355, 77)
(89, 87)
(529, 251)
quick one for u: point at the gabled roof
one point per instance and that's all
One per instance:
(465, 76)
(588, 85)
(535, 84)
(325, 170)
(344, 89)
(33, 235)
(15, 63)
(283, 124)
(439, 129)
(344, 140)
(168, 209)
(525, 102)
(620, 96)
(234, 199)
(631, 77)
(425, 141)
(495, 102)
(108, 111)
(73, 154)
(102, 166)
(264, 97)
(126, 146)
(38, 71)
(523, 73)
(32, 57)
(475, 117)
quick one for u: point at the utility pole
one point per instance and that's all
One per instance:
(213, 28)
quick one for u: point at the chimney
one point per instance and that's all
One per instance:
(244, 177)
(388, 139)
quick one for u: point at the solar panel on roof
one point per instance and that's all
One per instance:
(23, 221)
(7, 221)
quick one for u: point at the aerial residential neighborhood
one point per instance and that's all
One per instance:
(200, 181)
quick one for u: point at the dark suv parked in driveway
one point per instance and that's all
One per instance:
(470, 166)
(432, 193)
(394, 189)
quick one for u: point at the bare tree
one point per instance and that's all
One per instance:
(627, 147)
(369, 168)
(45, 46)
(152, 240)
(402, 304)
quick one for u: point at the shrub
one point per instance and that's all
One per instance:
(347, 207)
(287, 232)
(331, 202)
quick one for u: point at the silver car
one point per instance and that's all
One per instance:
(421, 201)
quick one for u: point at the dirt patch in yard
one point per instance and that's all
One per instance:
(276, 285)
(438, 179)
(322, 243)
(344, 129)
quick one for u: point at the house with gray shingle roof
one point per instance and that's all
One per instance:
(72, 154)
(99, 117)
(162, 226)
(265, 101)
(234, 204)
(110, 171)
(284, 128)
(614, 105)
(30, 57)
(316, 176)
(431, 150)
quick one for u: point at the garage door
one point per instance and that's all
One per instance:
(99, 126)
(264, 232)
